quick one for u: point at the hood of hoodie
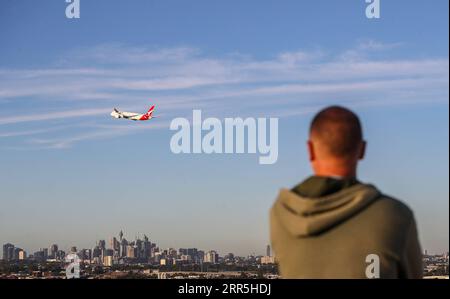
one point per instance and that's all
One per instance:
(305, 216)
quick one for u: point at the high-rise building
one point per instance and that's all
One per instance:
(53, 251)
(8, 252)
(22, 255)
(85, 254)
(39, 255)
(146, 248)
(16, 253)
(201, 256)
(97, 255)
(123, 248)
(211, 257)
(108, 260)
(114, 244)
(109, 252)
(138, 245)
(60, 255)
(268, 250)
(44, 253)
(102, 244)
(192, 252)
(131, 251)
(96, 252)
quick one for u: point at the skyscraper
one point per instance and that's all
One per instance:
(8, 252)
(108, 260)
(60, 254)
(131, 251)
(86, 254)
(268, 250)
(97, 255)
(102, 244)
(123, 248)
(192, 252)
(211, 257)
(53, 251)
(17, 253)
(146, 248)
(109, 252)
(44, 253)
(138, 245)
(22, 255)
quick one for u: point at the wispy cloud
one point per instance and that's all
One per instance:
(94, 132)
(23, 133)
(52, 115)
(178, 79)
(366, 47)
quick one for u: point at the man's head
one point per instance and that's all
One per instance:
(335, 142)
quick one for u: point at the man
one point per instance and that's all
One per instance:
(333, 226)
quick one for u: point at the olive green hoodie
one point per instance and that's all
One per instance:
(331, 236)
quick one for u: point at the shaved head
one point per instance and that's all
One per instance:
(338, 131)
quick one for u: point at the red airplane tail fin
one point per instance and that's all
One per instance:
(150, 111)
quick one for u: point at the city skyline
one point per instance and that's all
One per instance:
(109, 251)
(108, 244)
(117, 257)
(72, 175)
(267, 250)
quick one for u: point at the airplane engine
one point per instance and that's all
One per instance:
(116, 115)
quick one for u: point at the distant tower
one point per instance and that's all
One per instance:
(268, 250)
(8, 252)
(120, 236)
(114, 244)
(102, 244)
(53, 251)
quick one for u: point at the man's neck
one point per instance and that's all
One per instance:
(330, 169)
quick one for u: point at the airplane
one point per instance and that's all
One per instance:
(133, 116)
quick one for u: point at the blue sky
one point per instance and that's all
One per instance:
(70, 174)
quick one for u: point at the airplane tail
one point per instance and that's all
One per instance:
(150, 111)
(149, 114)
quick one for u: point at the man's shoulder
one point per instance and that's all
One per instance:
(391, 210)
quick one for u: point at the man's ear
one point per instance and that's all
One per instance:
(312, 155)
(362, 152)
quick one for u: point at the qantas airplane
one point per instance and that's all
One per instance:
(133, 116)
